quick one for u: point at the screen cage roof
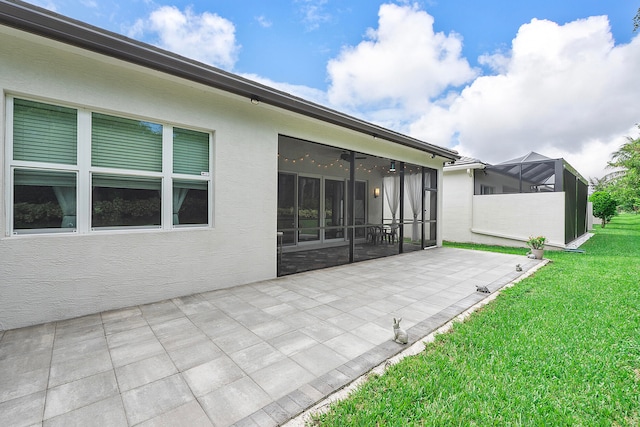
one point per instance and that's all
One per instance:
(530, 173)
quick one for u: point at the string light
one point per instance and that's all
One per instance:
(340, 163)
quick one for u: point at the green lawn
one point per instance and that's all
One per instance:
(561, 347)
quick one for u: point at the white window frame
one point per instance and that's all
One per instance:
(84, 172)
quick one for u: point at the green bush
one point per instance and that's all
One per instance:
(604, 206)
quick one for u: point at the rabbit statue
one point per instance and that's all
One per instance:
(399, 335)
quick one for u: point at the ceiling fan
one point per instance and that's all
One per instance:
(346, 156)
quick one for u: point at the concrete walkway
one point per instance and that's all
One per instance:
(254, 355)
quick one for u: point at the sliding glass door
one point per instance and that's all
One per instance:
(333, 209)
(308, 209)
(287, 212)
(312, 209)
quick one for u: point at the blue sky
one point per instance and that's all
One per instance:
(493, 79)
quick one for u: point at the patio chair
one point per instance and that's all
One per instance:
(390, 233)
(374, 234)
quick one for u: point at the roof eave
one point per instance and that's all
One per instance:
(464, 166)
(47, 24)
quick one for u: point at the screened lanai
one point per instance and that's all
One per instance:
(339, 206)
(535, 173)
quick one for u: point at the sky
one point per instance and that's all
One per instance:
(492, 79)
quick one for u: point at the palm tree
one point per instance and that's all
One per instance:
(626, 186)
(627, 156)
(601, 184)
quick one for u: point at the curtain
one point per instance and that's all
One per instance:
(67, 200)
(179, 194)
(414, 191)
(392, 193)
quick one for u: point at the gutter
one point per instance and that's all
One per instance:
(463, 166)
(41, 22)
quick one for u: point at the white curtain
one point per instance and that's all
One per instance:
(414, 191)
(392, 193)
(67, 200)
(179, 194)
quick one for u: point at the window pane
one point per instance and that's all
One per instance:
(287, 206)
(124, 143)
(44, 200)
(430, 178)
(190, 152)
(190, 202)
(123, 201)
(360, 202)
(44, 133)
(308, 209)
(334, 208)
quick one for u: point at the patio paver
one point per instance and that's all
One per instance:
(257, 354)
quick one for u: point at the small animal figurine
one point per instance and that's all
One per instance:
(518, 268)
(483, 289)
(399, 335)
(531, 256)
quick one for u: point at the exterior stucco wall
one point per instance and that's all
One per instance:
(457, 204)
(52, 277)
(509, 219)
(590, 218)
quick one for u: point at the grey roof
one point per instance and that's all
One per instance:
(464, 160)
(32, 19)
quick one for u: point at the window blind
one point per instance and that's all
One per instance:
(190, 152)
(44, 133)
(125, 181)
(44, 178)
(192, 185)
(126, 144)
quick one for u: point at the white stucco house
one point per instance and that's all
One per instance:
(505, 204)
(129, 174)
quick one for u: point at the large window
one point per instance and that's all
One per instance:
(73, 170)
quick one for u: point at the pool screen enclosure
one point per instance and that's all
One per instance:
(535, 173)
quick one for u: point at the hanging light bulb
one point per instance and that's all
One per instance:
(392, 168)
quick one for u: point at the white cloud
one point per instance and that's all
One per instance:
(263, 21)
(205, 37)
(305, 92)
(46, 4)
(401, 65)
(313, 13)
(90, 3)
(564, 91)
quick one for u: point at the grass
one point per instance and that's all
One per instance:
(562, 347)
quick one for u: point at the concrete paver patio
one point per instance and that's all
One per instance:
(253, 355)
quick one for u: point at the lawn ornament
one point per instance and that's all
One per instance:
(483, 289)
(399, 335)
